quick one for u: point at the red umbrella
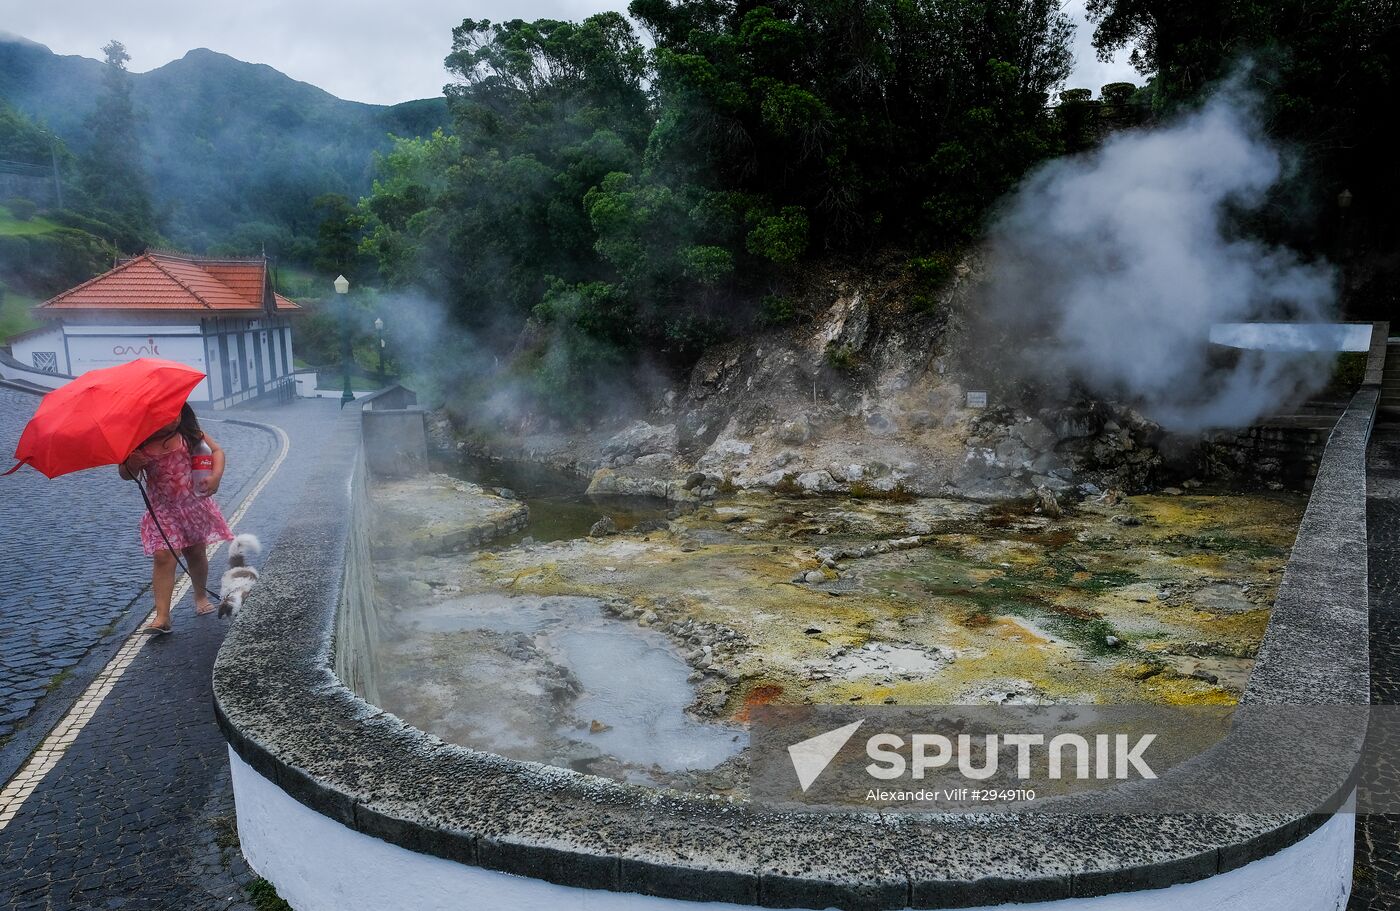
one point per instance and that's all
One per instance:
(102, 416)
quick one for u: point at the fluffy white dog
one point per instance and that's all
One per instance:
(239, 578)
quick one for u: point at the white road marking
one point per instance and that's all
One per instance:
(43, 760)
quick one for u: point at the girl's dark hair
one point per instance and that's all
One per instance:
(189, 427)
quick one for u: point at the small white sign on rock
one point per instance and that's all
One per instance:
(977, 400)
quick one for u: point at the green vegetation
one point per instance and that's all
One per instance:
(616, 202)
(842, 357)
(264, 896)
(1350, 369)
(931, 274)
(52, 249)
(14, 314)
(13, 226)
(112, 176)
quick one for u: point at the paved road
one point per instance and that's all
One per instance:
(138, 814)
(74, 580)
(1376, 885)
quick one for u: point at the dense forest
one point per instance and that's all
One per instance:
(601, 201)
(619, 201)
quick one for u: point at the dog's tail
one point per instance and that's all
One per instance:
(241, 547)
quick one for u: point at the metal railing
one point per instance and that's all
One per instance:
(283, 390)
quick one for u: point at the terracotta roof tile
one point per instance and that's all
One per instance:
(246, 278)
(159, 281)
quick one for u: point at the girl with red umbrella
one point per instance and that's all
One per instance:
(189, 519)
(135, 416)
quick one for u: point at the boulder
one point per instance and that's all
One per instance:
(1035, 435)
(816, 481)
(796, 431)
(1012, 453)
(880, 423)
(641, 438)
(726, 450)
(603, 527)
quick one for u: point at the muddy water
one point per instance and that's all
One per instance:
(551, 679)
(559, 509)
(638, 656)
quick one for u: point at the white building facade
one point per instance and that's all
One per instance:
(220, 317)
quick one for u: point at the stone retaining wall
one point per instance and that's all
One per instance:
(357, 620)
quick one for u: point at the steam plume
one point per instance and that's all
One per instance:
(1110, 268)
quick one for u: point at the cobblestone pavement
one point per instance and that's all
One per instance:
(138, 814)
(1376, 883)
(74, 580)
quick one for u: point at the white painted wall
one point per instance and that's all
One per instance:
(268, 373)
(250, 362)
(50, 339)
(211, 358)
(90, 351)
(319, 865)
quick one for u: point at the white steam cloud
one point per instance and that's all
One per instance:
(1108, 269)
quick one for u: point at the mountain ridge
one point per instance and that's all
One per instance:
(230, 147)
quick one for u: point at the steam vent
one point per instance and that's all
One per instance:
(709, 456)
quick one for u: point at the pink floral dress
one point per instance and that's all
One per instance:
(187, 519)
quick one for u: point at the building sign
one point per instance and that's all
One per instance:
(91, 352)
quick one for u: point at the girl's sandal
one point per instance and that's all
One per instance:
(154, 630)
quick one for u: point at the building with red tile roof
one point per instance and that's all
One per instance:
(222, 316)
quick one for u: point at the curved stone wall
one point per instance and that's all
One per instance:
(295, 727)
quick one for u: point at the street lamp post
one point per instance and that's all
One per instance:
(342, 287)
(1343, 204)
(379, 328)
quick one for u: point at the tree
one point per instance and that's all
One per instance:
(1325, 78)
(337, 236)
(112, 177)
(603, 204)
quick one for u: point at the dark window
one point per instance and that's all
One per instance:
(242, 359)
(223, 365)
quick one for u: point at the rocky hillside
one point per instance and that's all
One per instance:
(864, 394)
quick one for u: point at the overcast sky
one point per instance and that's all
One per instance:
(364, 50)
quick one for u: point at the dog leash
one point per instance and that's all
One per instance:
(173, 552)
